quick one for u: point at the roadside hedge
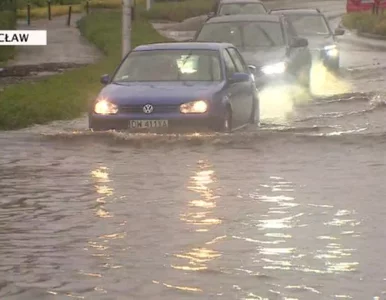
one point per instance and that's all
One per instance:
(7, 22)
(366, 22)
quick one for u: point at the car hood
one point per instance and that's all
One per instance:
(263, 56)
(159, 92)
(317, 42)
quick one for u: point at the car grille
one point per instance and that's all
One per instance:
(157, 109)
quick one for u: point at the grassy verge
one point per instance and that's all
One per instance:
(178, 11)
(67, 95)
(366, 22)
(7, 22)
(42, 12)
(168, 11)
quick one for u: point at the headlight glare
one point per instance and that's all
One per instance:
(329, 47)
(105, 107)
(277, 68)
(331, 50)
(194, 107)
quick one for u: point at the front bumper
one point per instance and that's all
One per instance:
(176, 122)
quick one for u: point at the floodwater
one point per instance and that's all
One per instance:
(293, 210)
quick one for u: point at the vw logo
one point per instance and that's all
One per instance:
(148, 109)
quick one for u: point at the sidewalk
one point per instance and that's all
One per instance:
(352, 38)
(64, 44)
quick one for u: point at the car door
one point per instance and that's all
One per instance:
(234, 91)
(246, 94)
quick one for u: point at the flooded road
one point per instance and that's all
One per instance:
(294, 210)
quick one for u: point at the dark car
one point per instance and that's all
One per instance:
(177, 87)
(312, 24)
(267, 42)
(235, 7)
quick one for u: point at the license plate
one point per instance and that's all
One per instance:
(147, 124)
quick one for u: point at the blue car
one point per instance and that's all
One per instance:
(172, 86)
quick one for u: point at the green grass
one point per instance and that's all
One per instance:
(66, 96)
(168, 11)
(7, 22)
(366, 22)
(178, 11)
(41, 11)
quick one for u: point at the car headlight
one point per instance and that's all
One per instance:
(331, 50)
(105, 107)
(194, 107)
(277, 68)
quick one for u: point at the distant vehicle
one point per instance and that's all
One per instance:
(312, 24)
(362, 5)
(267, 42)
(177, 86)
(235, 7)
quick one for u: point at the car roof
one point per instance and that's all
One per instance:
(240, 1)
(183, 46)
(244, 18)
(296, 11)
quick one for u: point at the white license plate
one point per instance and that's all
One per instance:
(147, 124)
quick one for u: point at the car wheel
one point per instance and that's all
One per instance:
(94, 126)
(304, 77)
(255, 116)
(333, 65)
(225, 123)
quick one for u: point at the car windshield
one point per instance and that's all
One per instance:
(241, 8)
(309, 25)
(170, 65)
(244, 35)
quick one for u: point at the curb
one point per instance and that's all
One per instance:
(372, 36)
(354, 41)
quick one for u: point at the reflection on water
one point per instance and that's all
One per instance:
(199, 214)
(286, 229)
(100, 248)
(101, 178)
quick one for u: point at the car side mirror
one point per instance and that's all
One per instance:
(211, 14)
(239, 77)
(299, 42)
(105, 79)
(339, 31)
(252, 69)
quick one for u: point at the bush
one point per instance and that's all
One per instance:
(366, 22)
(7, 22)
(106, 3)
(178, 11)
(66, 96)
